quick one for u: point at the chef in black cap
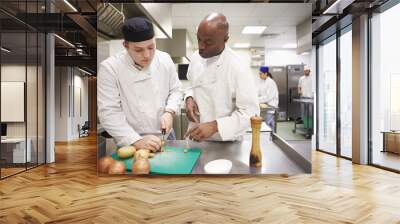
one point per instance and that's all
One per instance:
(138, 90)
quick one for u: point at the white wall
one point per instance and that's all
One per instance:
(12, 101)
(17, 73)
(103, 50)
(80, 83)
(245, 56)
(62, 113)
(107, 48)
(70, 81)
(34, 126)
(116, 46)
(282, 57)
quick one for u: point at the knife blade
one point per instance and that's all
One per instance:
(163, 132)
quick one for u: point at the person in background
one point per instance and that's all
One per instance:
(138, 90)
(268, 95)
(305, 84)
(306, 91)
(223, 93)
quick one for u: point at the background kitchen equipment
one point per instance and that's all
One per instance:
(287, 79)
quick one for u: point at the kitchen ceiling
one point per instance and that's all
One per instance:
(280, 18)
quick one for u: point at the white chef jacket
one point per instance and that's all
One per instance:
(224, 90)
(268, 92)
(131, 101)
(305, 83)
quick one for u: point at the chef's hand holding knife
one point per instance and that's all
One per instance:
(152, 142)
(166, 121)
(201, 131)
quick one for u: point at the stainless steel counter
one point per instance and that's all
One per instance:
(274, 161)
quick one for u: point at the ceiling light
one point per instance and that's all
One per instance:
(5, 50)
(241, 45)
(70, 5)
(84, 71)
(253, 29)
(290, 45)
(65, 41)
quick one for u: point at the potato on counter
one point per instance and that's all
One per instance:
(104, 164)
(142, 153)
(141, 166)
(126, 152)
(117, 168)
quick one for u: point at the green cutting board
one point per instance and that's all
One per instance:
(172, 161)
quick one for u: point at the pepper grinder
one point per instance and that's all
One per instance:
(255, 154)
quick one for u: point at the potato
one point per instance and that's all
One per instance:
(105, 163)
(142, 153)
(126, 152)
(117, 168)
(141, 166)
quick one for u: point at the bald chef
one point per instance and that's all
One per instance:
(223, 94)
(138, 89)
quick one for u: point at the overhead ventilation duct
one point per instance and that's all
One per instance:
(161, 16)
(180, 46)
(304, 36)
(110, 19)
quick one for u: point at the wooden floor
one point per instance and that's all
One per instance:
(10, 171)
(70, 191)
(388, 159)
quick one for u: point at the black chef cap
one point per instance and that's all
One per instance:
(137, 29)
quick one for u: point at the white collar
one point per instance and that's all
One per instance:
(212, 60)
